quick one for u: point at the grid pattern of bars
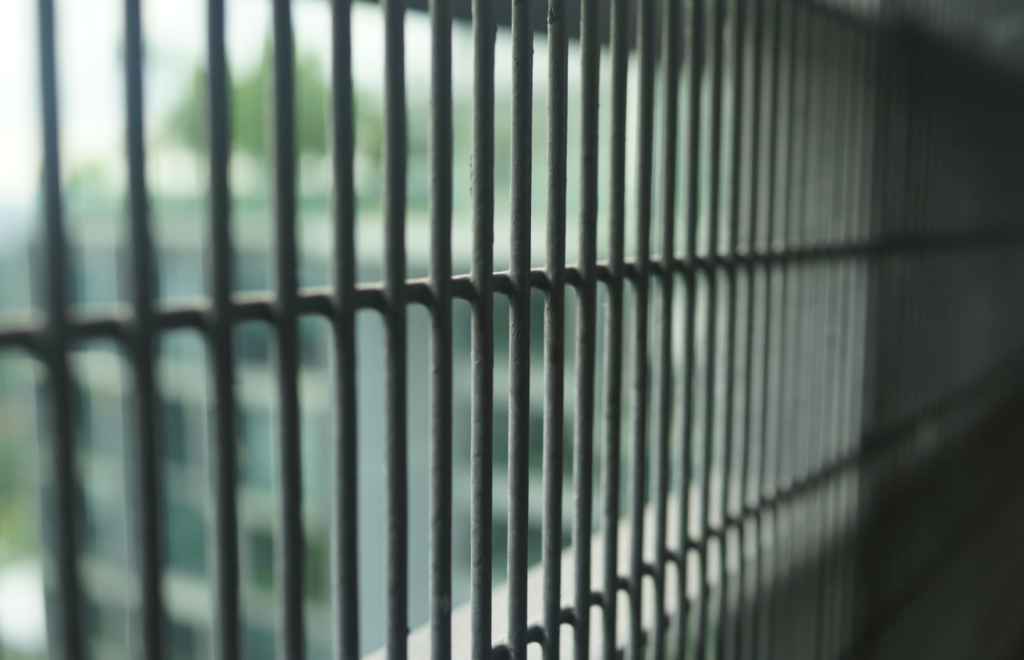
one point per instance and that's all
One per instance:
(844, 194)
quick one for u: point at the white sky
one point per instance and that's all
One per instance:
(19, 128)
(91, 91)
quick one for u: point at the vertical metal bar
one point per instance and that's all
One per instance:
(554, 326)
(834, 587)
(836, 330)
(830, 217)
(790, 349)
(761, 233)
(67, 630)
(920, 156)
(290, 541)
(345, 521)
(610, 443)
(807, 343)
(747, 495)
(894, 308)
(482, 328)
(847, 432)
(519, 326)
(837, 325)
(144, 474)
(775, 291)
(586, 323)
(865, 110)
(731, 311)
(440, 148)
(827, 312)
(224, 446)
(881, 72)
(664, 365)
(689, 389)
(711, 275)
(645, 42)
(797, 351)
(396, 472)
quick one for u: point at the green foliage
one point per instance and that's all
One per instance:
(87, 179)
(251, 97)
(18, 488)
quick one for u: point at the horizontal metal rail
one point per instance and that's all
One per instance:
(118, 322)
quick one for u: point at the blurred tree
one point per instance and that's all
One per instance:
(250, 101)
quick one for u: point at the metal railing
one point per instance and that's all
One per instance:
(835, 288)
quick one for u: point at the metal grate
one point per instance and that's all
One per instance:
(819, 446)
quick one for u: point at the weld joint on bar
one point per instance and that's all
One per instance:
(419, 292)
(504, 284)
(370, 298)
(715, 533)
(567, 616)
(574, 278)
(317, 301)
(252, 307)
(535, 635)
(463, 289)
(28, 339)
(752, 510)
(539, 280)
(707, 262)
(116, 327)
(177, 319)
(597, 599)
(651, 571)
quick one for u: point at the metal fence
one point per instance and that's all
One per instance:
(822, 343)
